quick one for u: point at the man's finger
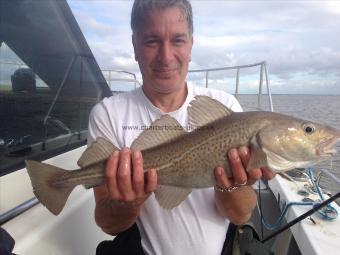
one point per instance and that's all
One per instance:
(151, 181)
(138, 173)
(239, 173)
(253, 174)
(222, 179)
(110, 175)
(244, 154)
(267, 173)
(124, 175)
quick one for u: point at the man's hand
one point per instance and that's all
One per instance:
(238, 159)
(126, 187)
(238, 204)
(125, 180)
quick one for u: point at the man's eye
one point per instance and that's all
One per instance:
(179, 41)
(151, 42)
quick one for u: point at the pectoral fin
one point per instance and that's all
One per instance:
(170, 197)
(258, 157)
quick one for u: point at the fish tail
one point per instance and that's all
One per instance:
(52, 196)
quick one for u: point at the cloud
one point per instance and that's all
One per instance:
(92, 26)
(294, 37)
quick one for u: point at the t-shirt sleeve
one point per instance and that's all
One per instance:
(100, 125)
(227, 99)
(234, 104)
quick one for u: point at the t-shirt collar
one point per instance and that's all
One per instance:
(157, 111)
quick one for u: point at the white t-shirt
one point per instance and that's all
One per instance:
(195, 226)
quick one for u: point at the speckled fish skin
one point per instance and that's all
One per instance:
(190, 160)
(186, 160)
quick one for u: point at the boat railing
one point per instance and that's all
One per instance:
(112, 75)
(23, 207)
(263, 78)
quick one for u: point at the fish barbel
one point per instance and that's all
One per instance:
(186, 160)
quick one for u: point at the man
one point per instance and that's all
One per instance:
(163, 39)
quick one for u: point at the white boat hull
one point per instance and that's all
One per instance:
(37, 231)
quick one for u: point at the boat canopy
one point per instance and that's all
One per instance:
(49, 81)
(47, 38)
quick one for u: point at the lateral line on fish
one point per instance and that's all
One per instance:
(77, 179)
(285, 141)
(189, 151)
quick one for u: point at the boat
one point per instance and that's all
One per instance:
(48, 84)
(49, 81)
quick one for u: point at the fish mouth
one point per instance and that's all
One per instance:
(326, 148)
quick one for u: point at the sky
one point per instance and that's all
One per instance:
(299, 40)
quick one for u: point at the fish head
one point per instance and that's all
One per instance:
(289, 143)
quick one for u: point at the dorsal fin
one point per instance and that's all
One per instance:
(98, 151)
(160, 131)
(204, 110)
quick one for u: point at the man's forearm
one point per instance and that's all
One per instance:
(238, 205)
(120, 198)
(114, 218)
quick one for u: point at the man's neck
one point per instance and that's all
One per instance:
(167, 102)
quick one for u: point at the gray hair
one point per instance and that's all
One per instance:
(141, 8)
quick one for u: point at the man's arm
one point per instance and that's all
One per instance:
(119, 200)
(238, 205)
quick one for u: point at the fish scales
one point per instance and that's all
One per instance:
(186, 160)
(89, 176)
(189, 160)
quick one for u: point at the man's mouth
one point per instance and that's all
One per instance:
(164, 73)
(164, 70)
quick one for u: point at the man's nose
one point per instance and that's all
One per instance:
(165, 53)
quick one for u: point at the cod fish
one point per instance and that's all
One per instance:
(186, 160)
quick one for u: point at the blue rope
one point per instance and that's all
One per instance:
(316, 187)
(327, 213)
(283, 214)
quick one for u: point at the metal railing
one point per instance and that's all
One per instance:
(110, 78)
(7, 216)
(263, 74)
(263, 78)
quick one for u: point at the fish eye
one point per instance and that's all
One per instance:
(308, 128)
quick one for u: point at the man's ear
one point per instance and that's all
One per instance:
(134, 44)
(192, 43)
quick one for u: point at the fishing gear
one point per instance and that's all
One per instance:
(303, 216)
(327, 213)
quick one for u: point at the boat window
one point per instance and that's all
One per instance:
(49, 82)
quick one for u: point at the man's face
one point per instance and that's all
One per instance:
(163, 50)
